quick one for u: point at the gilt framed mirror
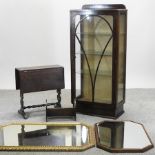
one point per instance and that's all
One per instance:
(46, 137)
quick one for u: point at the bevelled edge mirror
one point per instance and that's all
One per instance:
(56, 136)
(122, 136)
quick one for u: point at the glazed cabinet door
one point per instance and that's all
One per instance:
(93, 58)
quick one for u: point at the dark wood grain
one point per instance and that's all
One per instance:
(115, 109)
(39, 78)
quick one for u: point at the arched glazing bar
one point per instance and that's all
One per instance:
(93, 81)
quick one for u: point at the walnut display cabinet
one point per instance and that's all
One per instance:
(98, 59)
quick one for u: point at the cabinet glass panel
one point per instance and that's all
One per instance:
(94, 46)
(121, 61)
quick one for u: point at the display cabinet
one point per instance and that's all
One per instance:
(98, 59)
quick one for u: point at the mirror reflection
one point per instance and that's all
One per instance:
(75, 135)
(124, 135)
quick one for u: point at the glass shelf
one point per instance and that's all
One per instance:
(97, 33)
(99, 73)
(92, 34)
(95, 53)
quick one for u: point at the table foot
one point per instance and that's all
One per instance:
(25, 116)
(57, 105)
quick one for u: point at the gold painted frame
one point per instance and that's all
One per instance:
(53, 148)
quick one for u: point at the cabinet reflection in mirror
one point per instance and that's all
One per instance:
(53, 136)
(125, 136)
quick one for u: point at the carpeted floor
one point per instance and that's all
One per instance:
(139, 107)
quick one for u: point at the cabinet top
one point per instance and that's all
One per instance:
(103, 6)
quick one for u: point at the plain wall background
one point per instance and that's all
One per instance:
(37, 32)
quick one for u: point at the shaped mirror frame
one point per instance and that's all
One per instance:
(122, 136)
(33, 136)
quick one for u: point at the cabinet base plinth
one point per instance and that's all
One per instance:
(100, 110)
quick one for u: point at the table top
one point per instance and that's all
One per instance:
(37, 67)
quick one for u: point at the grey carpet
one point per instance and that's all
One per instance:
(139, 107)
